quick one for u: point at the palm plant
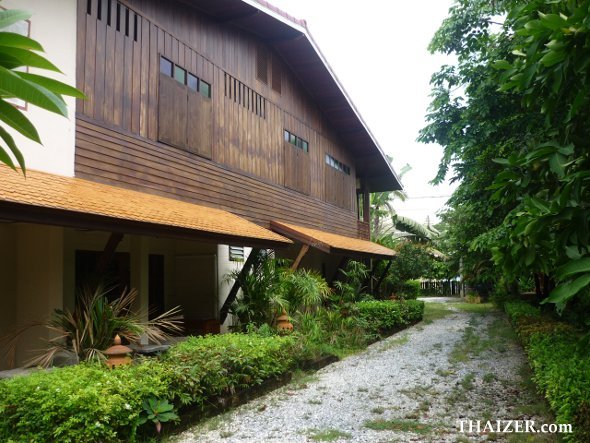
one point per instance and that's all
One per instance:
(305, 290)
(89, 329)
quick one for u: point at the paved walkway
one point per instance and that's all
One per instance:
(414, 386)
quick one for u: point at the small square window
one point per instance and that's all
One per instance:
(305, 146)
(179, 74)
(287, 136)
(165, 66)
(205, 89)
(327, 159)
(193, 82)
(293, 139)
(299, 143)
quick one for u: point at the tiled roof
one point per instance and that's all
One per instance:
(48, 191)
(329, 242)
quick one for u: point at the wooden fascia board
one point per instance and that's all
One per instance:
(300, 237)
(361, 255)
(57, 217)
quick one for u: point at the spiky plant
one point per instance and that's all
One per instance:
(91, 327)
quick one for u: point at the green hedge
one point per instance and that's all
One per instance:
(561, 368)
(386, 315)
(89, 403)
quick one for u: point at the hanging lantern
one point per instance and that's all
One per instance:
(283, 323)
(118, 354)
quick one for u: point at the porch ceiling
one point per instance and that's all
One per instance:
(332, 243)
(66, 201)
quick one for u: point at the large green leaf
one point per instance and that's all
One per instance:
(12, 16)
(13, 40)
(52, 85)
(552, 21)
(573, 267)
(24, 57)
(13, 148)
(12, 85)
(564, 292)
(15, 119)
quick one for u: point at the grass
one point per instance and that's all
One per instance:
(480, 308)
(378, 410)
(435, 311)
(392, 343)
(397, 424)
(328, 435)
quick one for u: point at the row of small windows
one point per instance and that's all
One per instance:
(244, 95)
(336, 164)
(296, 141)
(125, 20)
(184, 77)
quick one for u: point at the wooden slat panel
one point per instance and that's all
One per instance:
(199, 124)
(172, 113)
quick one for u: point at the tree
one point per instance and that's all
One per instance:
(18, 52)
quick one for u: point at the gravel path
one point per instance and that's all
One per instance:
(413, 386)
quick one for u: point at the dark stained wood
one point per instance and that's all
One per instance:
(108, 253)
(123, 130)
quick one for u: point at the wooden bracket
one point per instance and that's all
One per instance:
(300, 256)
(252, 258)
(108, 253)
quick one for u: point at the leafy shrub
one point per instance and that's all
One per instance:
(386, 315)
(88, 402)
(408, 290)
(560, 368)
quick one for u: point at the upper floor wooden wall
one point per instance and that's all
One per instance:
(119, 51)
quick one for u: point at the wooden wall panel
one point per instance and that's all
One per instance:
(110, 156)
(119, 72)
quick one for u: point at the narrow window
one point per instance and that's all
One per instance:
(193, 82)
(126, 22)
(236, 253)
(118, 27)
(109, 11)
(99, 12)
(165, 66)
(205, 89)
(135, 20)
(277, 74)
(262, 65)
(89, 7)
(179, 74)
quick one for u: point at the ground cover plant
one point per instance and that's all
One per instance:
(560, 364)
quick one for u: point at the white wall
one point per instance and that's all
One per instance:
(224, 266)
(53, 24)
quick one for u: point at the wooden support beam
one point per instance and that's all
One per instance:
(107, 254)
(300, 256)
(382, 277)
(252, 258)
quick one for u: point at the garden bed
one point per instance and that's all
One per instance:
(198, 376)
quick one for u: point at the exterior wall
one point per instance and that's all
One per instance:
(118, 127)
(53, 24)
(225, 266)
(9, 282)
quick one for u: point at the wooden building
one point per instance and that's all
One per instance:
(225, 105)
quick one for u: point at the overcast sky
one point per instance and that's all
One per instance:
(377, 48)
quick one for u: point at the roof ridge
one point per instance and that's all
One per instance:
(297, 21)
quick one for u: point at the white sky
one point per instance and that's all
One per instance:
(377, 48)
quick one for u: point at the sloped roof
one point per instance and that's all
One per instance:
(292, 40)
(332, 243)
(54, 199)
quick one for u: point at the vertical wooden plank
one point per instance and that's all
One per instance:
(81, 52)
(136, 75)
(119, 70)
(99, 69)
(145, 75)
(90, 61)
(127, 68)
(154, 69)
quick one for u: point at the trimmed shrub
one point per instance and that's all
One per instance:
(87, 402)
(380, 316)
(560, 368)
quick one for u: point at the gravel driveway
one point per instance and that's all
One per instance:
(413, 386)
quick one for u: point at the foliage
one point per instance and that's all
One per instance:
(304, 290)
(386, 315)
(157, 411)
(560, 366)
(262, 292)
(524, 174)
(88, 402)
(82, 403)
(351, 284)
(18, 52)
(90, 328)
(408, 290)
(411, 262)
